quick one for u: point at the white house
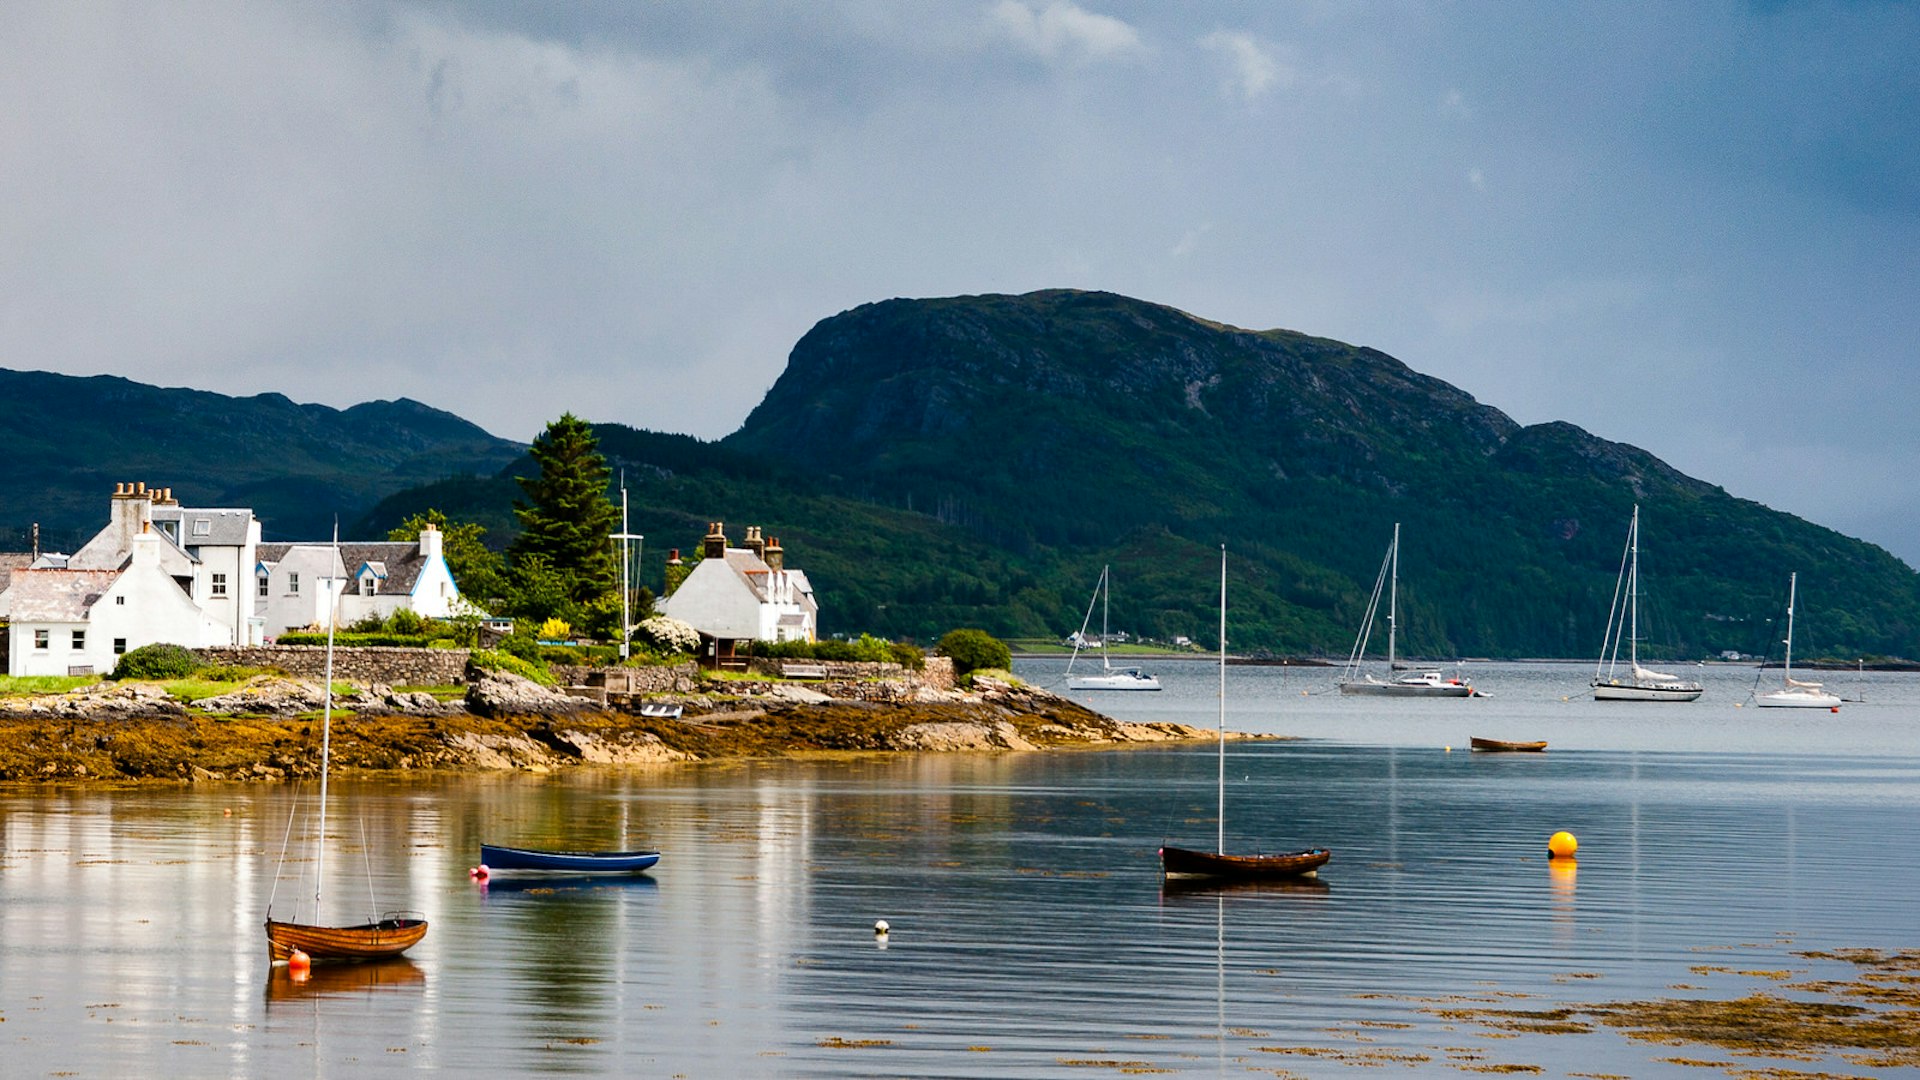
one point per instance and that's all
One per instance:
(742, 594)
(210, 553)
(380, 579)
(73, 622)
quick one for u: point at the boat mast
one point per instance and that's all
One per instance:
(1106, 598)
(1633, 593)
(1393, 600)
(335, 585)
(1793, 580)
(626, 579)
(1221, 844)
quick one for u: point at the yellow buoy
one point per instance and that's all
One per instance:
(1562, 845)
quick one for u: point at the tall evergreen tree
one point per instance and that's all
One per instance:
(570, 517)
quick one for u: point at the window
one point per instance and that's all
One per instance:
(366, 585)
(219, 585)
(263, 586)
(40, 638)
(79, 640)
(120, 601)
(202, 527)
(119, 646)
(293, 584)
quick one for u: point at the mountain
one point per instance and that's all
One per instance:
(68, 440)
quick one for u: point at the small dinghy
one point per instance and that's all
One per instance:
(566, 862)
(1504, 746)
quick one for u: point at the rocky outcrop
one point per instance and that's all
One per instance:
(959, 735)
(501, 693)
(100, 701)
(270, 695)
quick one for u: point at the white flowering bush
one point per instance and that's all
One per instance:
(668, 635)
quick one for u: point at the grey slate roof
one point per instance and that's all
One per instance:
(399, 559)
(57, 595)
(225, 527)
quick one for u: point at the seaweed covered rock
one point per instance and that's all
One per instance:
(502, 693)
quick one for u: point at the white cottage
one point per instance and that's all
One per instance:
(210, 552)
(78, 622)
(743, 594)
(290, 590)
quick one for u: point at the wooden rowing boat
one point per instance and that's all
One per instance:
(1504, 746)
(1183, 863)
(392, 935)
(494, 857)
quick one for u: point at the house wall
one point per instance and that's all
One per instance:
(284, 609)
(236, 562)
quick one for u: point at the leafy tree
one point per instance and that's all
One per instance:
(480, 571)
(974, 650)
(568, 517)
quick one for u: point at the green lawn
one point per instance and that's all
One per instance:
(30, 685)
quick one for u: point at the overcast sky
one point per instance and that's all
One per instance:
(1693, 227)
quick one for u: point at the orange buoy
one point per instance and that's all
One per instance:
(299, 964)
(1562, 845)
(479, 873)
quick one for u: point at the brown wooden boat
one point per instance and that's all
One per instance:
(1184, 863)
(392, 935)
(1503, 746)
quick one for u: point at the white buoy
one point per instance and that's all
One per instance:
(880, 928)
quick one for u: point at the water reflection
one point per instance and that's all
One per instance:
(380, 976)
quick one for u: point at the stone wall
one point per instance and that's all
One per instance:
(352, 663)
(668, 679)
(938, 673)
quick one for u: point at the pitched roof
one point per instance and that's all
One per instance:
(399, 561)
(57, 595)
(11, 561)
(224, 527)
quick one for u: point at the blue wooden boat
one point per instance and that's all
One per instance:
(566, 862)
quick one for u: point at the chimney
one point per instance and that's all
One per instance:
(715, 544)
(776, 556)
(755, 544)
(429, 542)
(164, 496)
(676, 572)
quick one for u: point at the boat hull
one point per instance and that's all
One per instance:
(567, 862)
(1113, 682)
(1628, 691)
(1791, 699)
(1500, 746)
(1384, 689)
(390, 936)
(1185, 863)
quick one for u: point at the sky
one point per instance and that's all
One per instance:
(1691, 227)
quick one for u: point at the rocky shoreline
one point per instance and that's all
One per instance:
(269, 729)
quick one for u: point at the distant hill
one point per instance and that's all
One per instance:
(975, 460)
(66, 441)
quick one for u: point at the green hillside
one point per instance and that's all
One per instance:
(975, 460)
(68, 440)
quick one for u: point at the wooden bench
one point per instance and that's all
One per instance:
(803, 671)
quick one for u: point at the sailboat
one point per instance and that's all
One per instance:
(1638, 684)
(1427, 683)
(1187, 863)
(1794, 694)
(386, 935)
(1110, 677)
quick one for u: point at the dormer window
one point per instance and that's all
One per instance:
(262, 591)
(367, 585)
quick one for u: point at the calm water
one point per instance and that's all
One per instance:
(1031, 934)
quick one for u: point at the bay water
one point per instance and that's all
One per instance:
(1030, 932)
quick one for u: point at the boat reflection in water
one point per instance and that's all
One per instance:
(1174, 888)
(373, 976)
(548, 884)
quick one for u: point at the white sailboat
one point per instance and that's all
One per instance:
(1425, 683)
(1793, 693)
(1636, 683)
(1110, 677)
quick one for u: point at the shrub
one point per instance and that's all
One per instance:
(670, 635)
(911, 657)
(346, 638)
(406, 621)
(490, 660)
(971, 649)
(555, 630)
(157, 661)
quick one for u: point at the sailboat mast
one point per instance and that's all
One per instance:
(334, 587)
(1393, 600)
(1221, 844)
(1633, 594)
(1106, 598)
(1793, 581)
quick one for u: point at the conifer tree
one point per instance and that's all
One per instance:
(570, 518)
